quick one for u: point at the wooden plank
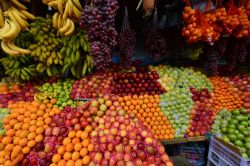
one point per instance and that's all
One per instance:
(174, 141)
(196, 139)
(184, 140)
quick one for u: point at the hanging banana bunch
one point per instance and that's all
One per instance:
(69, 11)
(13, 20)
(75, 51)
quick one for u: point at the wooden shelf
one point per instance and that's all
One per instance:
(184, 140)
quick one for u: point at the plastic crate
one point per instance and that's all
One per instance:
(193, 152)
(223, 154)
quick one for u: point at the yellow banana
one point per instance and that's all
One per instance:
(70, 9)
(15, 29)
(55, 20)
(19, 13)
(15, 16)
(60, 21)
(77, 4)
(71, 30)
(28, 15)
(60, 4)
(53, 4)
(66, 26)
(8, 50)
(1, 18)
(66, 11)
(12, 46)
(5, 28)
(17, 4)
(76, 12)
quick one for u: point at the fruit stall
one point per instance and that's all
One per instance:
(124, 83)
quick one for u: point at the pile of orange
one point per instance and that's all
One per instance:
(75, 149)
(5, 89)
(147, 109)
(24, 128)
(225, 95)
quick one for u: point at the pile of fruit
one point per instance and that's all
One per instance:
(147, 109)
(236, 131)
(58, 93)
(3, 113)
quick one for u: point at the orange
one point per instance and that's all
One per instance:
(62, 163)
(88, 128)
(67, 156)
(128, 103)
(72, 134)
(78, 162)
(70, 163)
(144, 106)
(85, 143)
(69, 147)
(31, 143)
(84, 152)
(53, 101)
(61, 150)
(86, 160)
(23, 142)
(77, 147)
(84, 135)
(90, 147)
(39, 138)
(26, 150)
(131, 107)
(75, 156)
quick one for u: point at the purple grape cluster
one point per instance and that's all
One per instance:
(127, 42)
(99, 20)
(154, 43)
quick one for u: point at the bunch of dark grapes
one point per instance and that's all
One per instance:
(154, 43)
(127, 42)
(211, 61)
(99, 20)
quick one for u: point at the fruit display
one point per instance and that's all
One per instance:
(203, 113)
(177, 106)
(147, 109)
(136, 83)
(99, 20)
(119, 140)
(24, 129)
(225, 95)
(91, 87)
(15, 93)
(69, 11)
(3, 113)
(220, 122)
(47, 48)
(13, 20)
(58, 93)
(75, 51)
(237, 131)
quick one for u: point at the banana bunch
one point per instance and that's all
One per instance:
(69, 11)
(43, 97)
(75, 51)
(13, 20)
(17, 68)
(48, 44)
(50, 70)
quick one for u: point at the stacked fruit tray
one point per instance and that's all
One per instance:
(162, 104)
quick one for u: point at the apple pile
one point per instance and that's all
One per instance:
(147, 109)
(3, 113)
(203, 113)
(120, 140)
(220, 123)
(237, 131)
(177, 106)
(16, 93)
(91, 87)
(61, 91)
(181, 78)
(242, 83)
(136, 83)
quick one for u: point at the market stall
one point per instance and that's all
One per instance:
(126, 83)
